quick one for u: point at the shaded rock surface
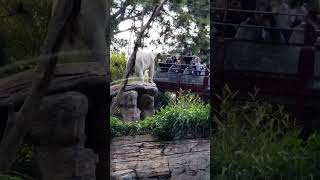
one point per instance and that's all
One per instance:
(129, 99)
(145, 157)
(58, 134)
(128, 106)
(137, 101)
(71, 163)
(146, 104)
(130, 114)
(141, 88)
(61, 120)
(69, 126)
(67, 77)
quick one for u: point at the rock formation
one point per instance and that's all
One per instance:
(137, 101)
(69, 134)
(59, 138)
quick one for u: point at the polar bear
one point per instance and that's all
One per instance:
(145, 61)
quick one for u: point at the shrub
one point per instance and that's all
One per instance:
(162, 99)
(24, 165)
(117, 66)
(187, 117)
(125, 128)
(255, 140)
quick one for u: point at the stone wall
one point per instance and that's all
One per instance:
(145, 157)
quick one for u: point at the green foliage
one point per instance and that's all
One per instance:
(255, 140)
(117, 66)
(7, 177)
(25, 152)
(24, 165)
(162, 99)
(23, 33)
(184, 22)
(186, 117)
(125, 128)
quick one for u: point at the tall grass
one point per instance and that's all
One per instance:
(255, 140)
(184, 117)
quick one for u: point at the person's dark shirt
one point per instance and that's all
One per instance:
(169, 60)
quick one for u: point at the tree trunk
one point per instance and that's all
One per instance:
(102, 112)
(66, 13)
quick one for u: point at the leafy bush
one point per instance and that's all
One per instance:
(25, 163)
(125, 128)
(255, 140)
(117, 66)
(188, 116)
(162, 99)
(24, 33)
(184, 118)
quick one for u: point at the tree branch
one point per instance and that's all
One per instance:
(122, 10)
(132, 58)
(129, 29)
(131, 17)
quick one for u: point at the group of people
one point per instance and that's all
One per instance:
(279, 22)
(274, 22)
(194, 64)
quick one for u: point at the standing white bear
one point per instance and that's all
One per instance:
(145, 61)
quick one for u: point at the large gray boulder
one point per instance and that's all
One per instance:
(129, 99)
(128, 106)
(130, 114)
(61, 120)
(58, 134)
(146, 105)
(137, 101)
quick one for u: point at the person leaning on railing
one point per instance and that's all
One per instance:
(176, 67)
(197, 65)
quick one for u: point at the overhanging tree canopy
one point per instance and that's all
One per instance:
(182, 22)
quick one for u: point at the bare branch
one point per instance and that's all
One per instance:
(122, 10)
(131, 17)
(129, 29)
(132, 10)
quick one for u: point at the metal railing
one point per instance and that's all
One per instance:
(255, 26)
(257, 12)
(182, 69)
(226, 10)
